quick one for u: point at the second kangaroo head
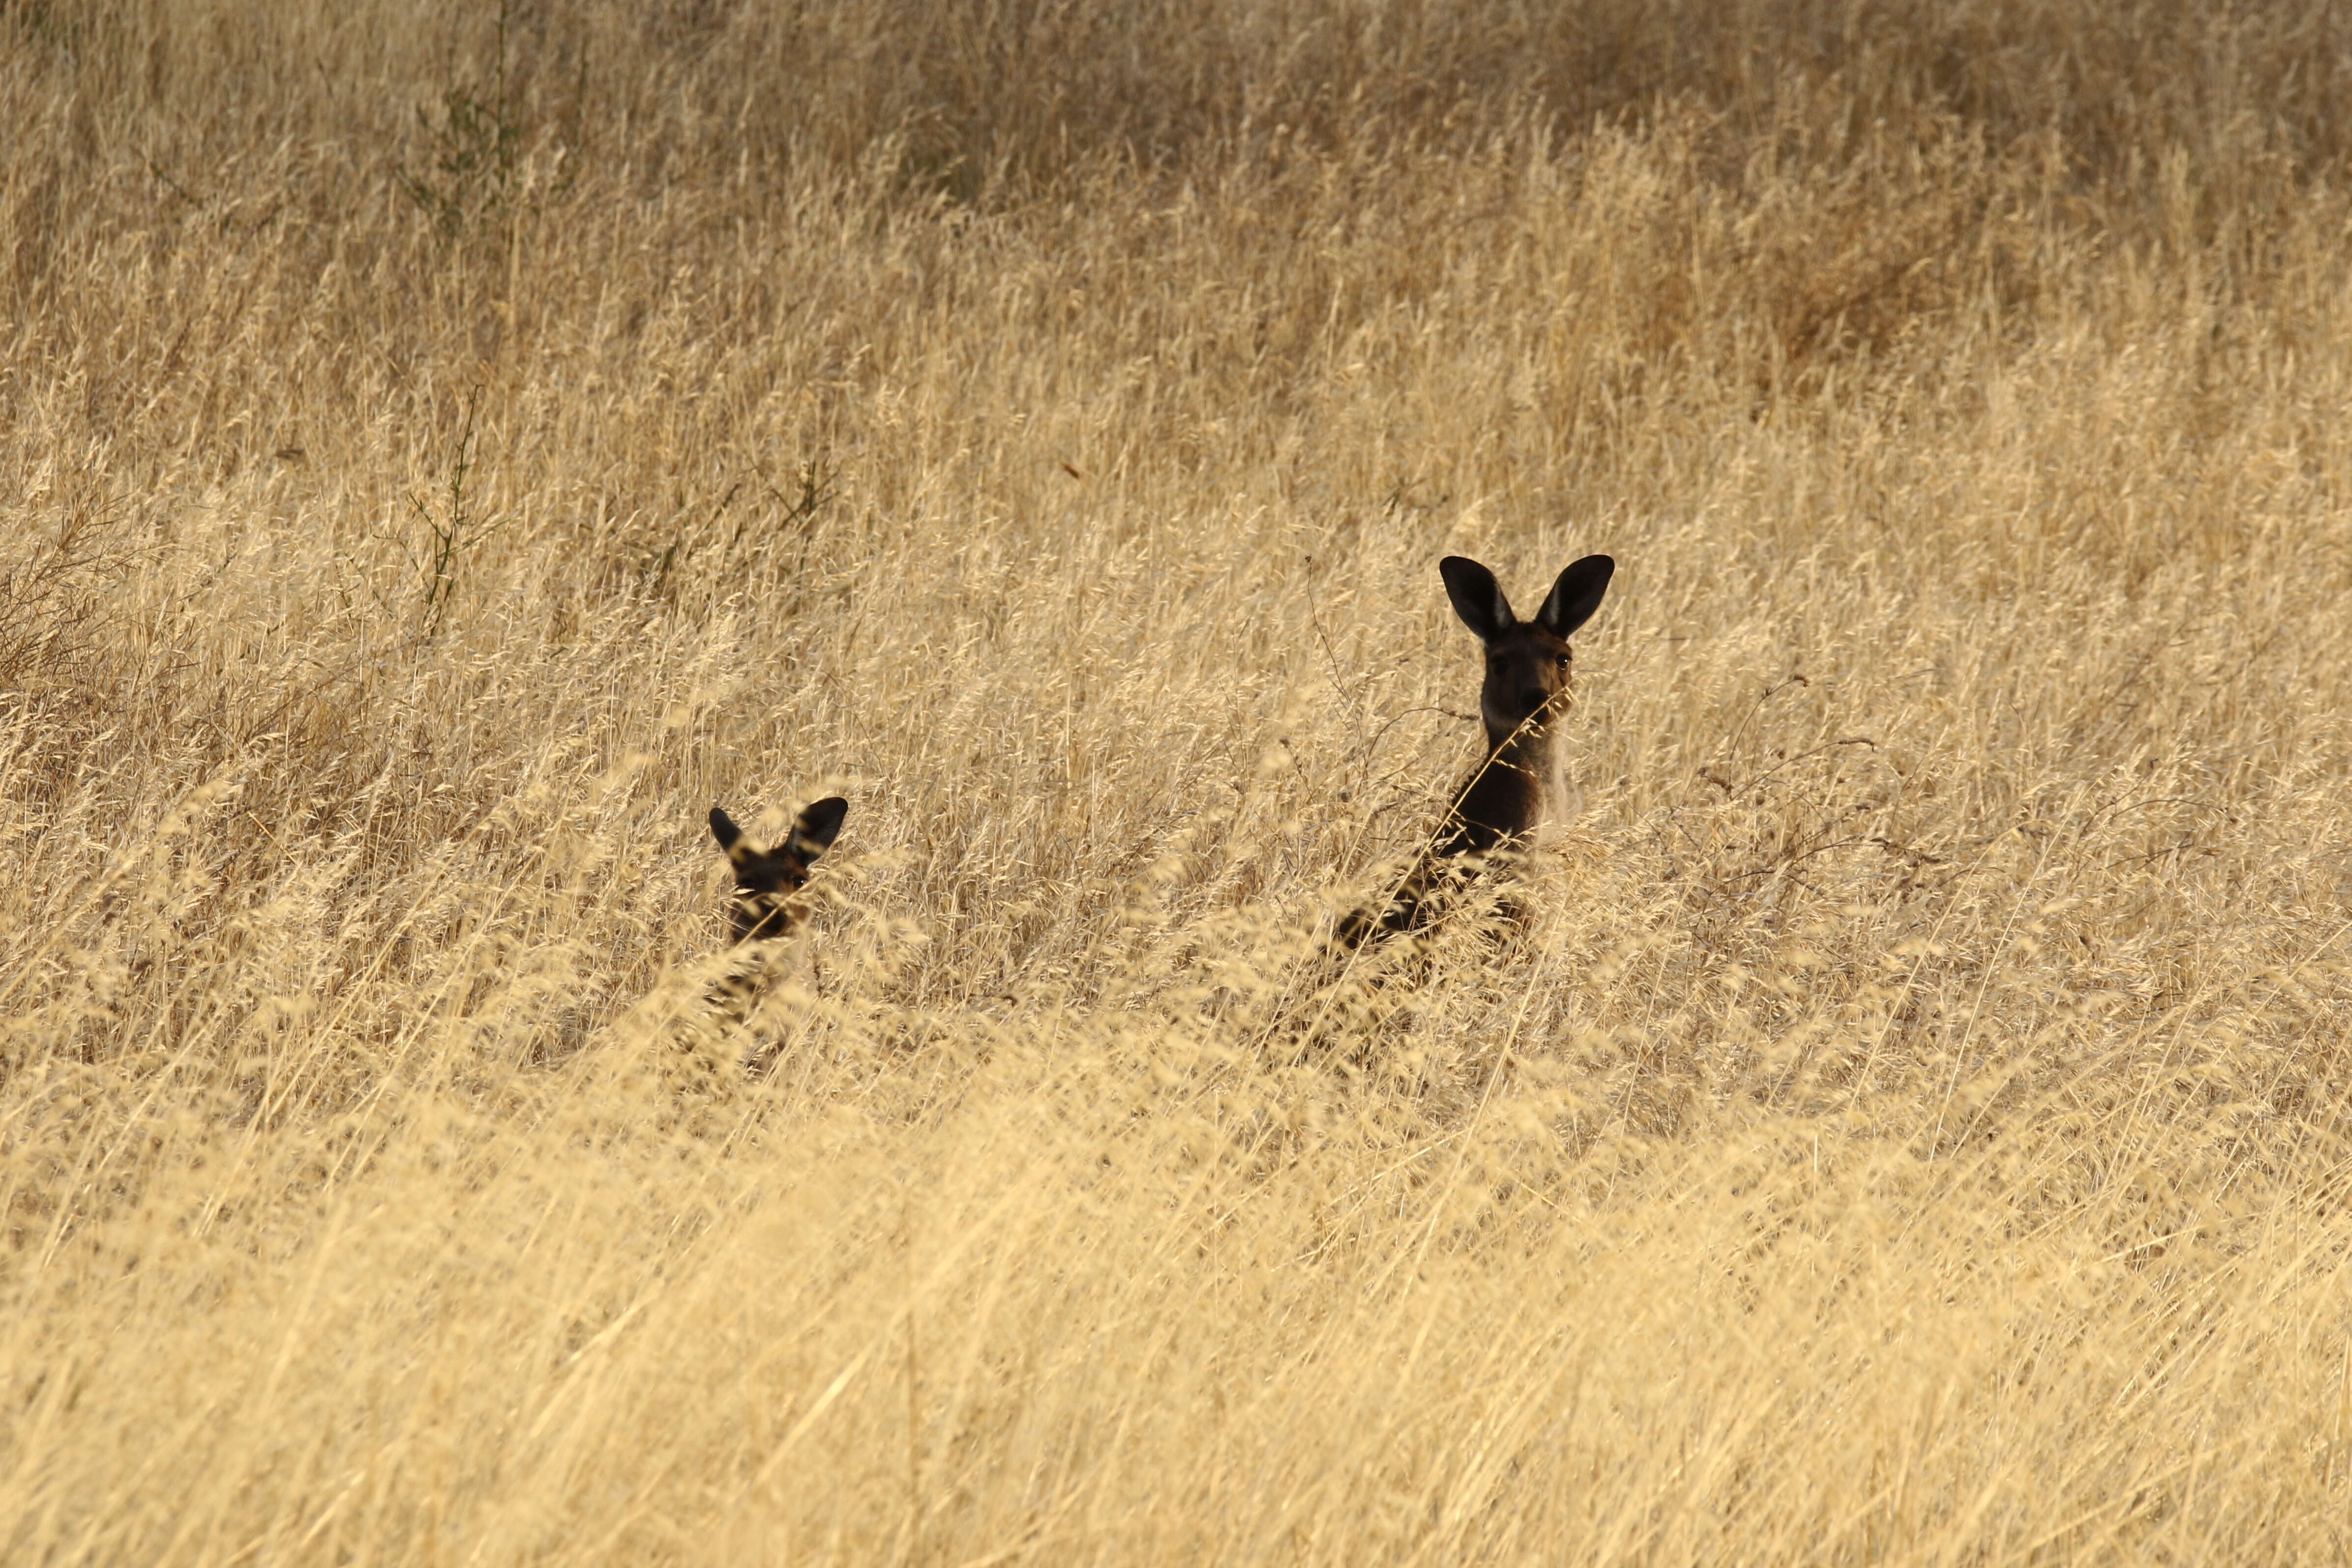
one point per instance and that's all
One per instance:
(766, 879)
(1527, 661)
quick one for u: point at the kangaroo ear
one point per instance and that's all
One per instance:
(723, 829)
(1576, 595)
(1477, 597)
(815, 829)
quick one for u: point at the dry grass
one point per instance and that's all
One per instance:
(440, 454)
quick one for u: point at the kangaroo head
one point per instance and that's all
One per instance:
(765, 880)
(1527, 661)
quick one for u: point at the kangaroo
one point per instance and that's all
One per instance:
(763, 908)
(711, 1030)
(1522, 782)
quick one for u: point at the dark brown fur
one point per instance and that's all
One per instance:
(1521, 780)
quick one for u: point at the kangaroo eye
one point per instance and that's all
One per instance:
(1563, 661)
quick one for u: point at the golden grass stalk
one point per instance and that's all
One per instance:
(442, 453)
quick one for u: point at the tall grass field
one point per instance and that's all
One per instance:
(1905, 1119)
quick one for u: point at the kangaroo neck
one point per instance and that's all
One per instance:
(1517, 787)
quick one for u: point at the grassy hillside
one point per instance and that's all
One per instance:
(444, 450)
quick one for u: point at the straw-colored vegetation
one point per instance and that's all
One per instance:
(443, 451)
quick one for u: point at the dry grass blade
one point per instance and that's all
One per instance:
(443, 453)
